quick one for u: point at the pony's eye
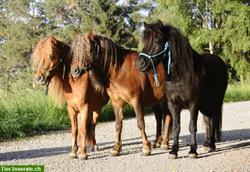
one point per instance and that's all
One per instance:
(158, 41)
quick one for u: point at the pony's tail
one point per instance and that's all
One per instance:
(91, 128)
(90, 133)
(217, 120)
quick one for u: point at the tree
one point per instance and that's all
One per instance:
(18, 33)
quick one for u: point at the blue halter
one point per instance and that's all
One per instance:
(166, 48)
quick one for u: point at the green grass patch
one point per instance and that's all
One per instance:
(237, 92)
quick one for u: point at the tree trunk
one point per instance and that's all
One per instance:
(241, 79)
(211, 48)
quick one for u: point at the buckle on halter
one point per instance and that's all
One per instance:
(157, 84)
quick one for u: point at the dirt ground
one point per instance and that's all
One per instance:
(51, 150)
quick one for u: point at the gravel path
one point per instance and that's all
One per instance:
(233, 153)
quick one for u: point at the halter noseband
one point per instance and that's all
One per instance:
(151, 57)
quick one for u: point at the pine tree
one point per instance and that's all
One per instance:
(18, 32)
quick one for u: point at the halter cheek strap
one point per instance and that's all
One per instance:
(166, 48)
(63, 75)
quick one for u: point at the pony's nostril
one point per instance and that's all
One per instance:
(39, 79)
(75, 72)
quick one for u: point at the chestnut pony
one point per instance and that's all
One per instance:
(115, 66)
(193, 81)
(51, 62)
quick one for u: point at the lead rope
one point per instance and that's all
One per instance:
(169, 57)
(46, 88)
(157, 84)
(63, 76)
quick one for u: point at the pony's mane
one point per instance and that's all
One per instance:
(44, 48)
(181, 51)
(111, 54)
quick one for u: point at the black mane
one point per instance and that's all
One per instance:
(181, 50)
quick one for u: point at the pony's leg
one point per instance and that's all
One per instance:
(95, 116)
(116, 150)
(215, 127)
(74, 131)
(84, 116)
(217, 122)
(208, 133)
(212, 119)
(146, 150)
(167, 131)
(158, 116)
(193, 129)
(175, 111)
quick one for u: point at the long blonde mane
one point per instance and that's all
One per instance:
(44, 48)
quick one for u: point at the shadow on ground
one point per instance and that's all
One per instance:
(227, 136)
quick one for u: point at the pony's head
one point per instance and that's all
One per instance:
(46, 59)
(153, 38)
(84, 51)
(167, 44)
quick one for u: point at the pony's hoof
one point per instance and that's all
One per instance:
(146, 151)
(114, 152)
(172, 156)
(95, 148)
(83, 156)
(192, 155)
(208, 149)
(164, 146)
(156, 145)
(73, 155)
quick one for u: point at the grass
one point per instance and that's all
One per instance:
(26, 112)
(236, 92)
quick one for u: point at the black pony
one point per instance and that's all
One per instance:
(193, 81)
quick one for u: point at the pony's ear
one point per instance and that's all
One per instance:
(160, 23)
(146, 26)
(77, 33)
(53, 40)
(90, 36)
